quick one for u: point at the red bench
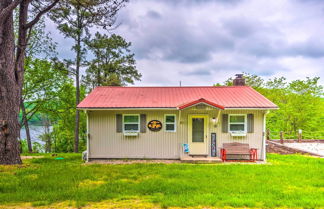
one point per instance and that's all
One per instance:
(236, 148)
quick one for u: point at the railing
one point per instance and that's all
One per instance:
(299, 137)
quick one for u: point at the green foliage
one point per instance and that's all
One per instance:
(300, 105)
(113, 65)
(37, 147)
(250, 80)
(43, 80)
(289, 181)
(23, 146)
(74, 20)
(50, 93)
(64, 115)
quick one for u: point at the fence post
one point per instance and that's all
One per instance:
(281, 137)
(268, 134)
(300, 135)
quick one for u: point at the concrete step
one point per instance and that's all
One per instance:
(202, 160)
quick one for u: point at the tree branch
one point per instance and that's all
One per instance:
(40, 14)
(6, 11)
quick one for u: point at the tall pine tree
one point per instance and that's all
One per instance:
(113, 65)
(75, 18)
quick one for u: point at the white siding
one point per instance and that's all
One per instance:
(105, 142)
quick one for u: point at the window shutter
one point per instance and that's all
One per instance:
(225, 123)
(250, 123)
(143, 123)
(119, 123)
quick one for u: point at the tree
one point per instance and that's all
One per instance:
(64, 114)
(250, 80)
(300, 104)
(113, 65)
(75, 18)
(43, 81)
(12, 60)
(40, 45)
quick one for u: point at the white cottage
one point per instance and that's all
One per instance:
(175, 122)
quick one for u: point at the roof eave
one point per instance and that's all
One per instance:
(126, 108)
(251, 108)
(175, 108)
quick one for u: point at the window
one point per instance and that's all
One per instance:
(170, 123)
(237, 123)
(131, 123)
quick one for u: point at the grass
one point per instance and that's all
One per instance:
(291, 181)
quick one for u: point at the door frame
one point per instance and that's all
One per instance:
(206, 131)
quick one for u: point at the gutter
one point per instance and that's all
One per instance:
(170, 108)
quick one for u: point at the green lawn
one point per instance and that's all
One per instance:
(286, 181)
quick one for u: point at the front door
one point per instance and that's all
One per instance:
(198, 134)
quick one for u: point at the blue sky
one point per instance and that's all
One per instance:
(201, 42)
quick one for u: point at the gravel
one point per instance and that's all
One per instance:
(314, 147)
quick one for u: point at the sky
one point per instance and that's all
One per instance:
(202, 42)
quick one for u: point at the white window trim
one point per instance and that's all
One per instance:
(175, 122)
(229, 123)
(139, 123)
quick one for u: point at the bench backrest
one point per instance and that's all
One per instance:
(236, 146)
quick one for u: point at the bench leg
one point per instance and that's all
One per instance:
(223, 155)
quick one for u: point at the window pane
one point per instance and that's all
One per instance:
(237, 118)
(131, 127)
(169, 127)
(131, 118)
(170, 119)
(197, 130)
(236, 127)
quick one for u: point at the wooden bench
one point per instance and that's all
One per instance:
(236, 148)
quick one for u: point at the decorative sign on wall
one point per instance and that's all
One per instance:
(213, 145)
(154, 125)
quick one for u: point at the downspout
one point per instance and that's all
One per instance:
(179, 117)
(217, 119)
(264, 137)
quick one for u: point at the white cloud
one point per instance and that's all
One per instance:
(204, 42)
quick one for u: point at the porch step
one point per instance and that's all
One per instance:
(198, 156)
(202, 160)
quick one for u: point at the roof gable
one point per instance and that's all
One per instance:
(200, 101)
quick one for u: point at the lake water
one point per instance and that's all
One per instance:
(35, 132)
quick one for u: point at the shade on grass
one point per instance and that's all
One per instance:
(286, 181)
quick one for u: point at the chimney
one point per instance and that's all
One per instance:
(239, 80)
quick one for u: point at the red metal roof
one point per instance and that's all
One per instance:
(175, 97)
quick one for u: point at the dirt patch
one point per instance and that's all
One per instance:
(30, 157)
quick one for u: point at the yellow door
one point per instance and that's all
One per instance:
(197, 126)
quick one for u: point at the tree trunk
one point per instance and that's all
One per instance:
(12, 75)
(47, 134)
(77, 93)
(25, 122)
(10, 93)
